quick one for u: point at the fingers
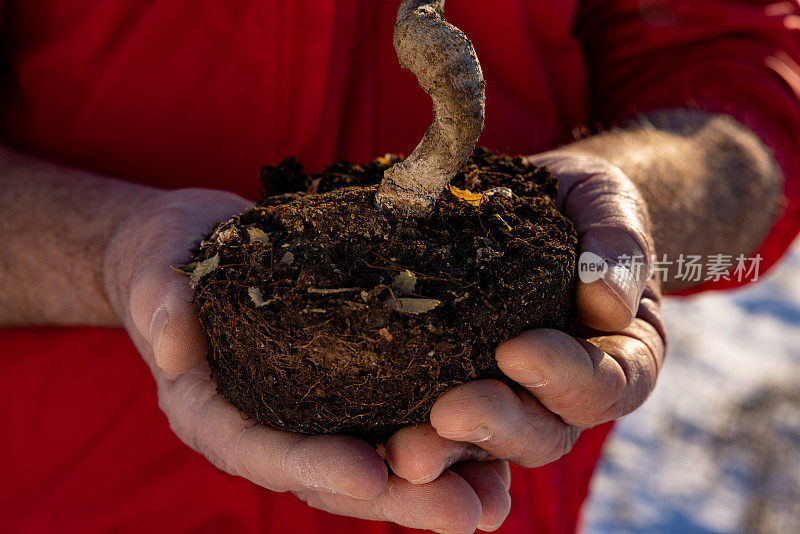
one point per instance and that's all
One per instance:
(507, 424)
(503, 471)
(341, 465)
(568, 384)
(276, 460)
(613, 228)
(418, 454)
(491, 489)
(586, 382)
(448, 504)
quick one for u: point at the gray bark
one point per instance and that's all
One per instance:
(447, 68)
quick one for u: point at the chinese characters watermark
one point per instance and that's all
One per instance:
(685, 268)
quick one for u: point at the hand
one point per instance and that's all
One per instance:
(563, 383)
(340, 474)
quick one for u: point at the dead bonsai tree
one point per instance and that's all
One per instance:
(341, 306)
(447, 68)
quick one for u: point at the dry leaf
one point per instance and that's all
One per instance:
(507, 226)
(412, 305)
(257, 297)
(226, 235)
(500, 191)
(187, 269)
(473, 199)
(257, 234)
(287, 259)
(318, 291)
(405, 282)
(203, 268)
(385, 334)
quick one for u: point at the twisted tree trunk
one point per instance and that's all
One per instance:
(444, 62)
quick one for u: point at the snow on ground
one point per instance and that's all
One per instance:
(716, 449)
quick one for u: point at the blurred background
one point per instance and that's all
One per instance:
(716, 449)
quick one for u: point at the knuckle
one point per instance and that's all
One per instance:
(562, 443)
(528, 445)
(465, 406)
(242, 462)
(608, 412)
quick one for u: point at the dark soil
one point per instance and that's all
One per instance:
(316, 326)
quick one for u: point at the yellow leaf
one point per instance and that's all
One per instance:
(473, 199)
(385, 334)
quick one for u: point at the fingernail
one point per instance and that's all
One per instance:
(525, 377)
(622, 282)
(157, 325)
(476, 436)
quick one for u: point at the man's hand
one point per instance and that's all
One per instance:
(563, 383)
(340, 474)
(710, 187)
(110, 257)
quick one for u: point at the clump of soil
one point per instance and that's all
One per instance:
(326, 316)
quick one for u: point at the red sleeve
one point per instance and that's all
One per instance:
(738, 57)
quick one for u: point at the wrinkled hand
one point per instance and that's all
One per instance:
(563, 383)
(340, 474)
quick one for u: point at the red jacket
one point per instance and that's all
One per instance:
(179, 93)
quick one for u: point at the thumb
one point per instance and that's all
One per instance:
(613, 228)
(159, 299)
(608, 296)
(160, 302)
